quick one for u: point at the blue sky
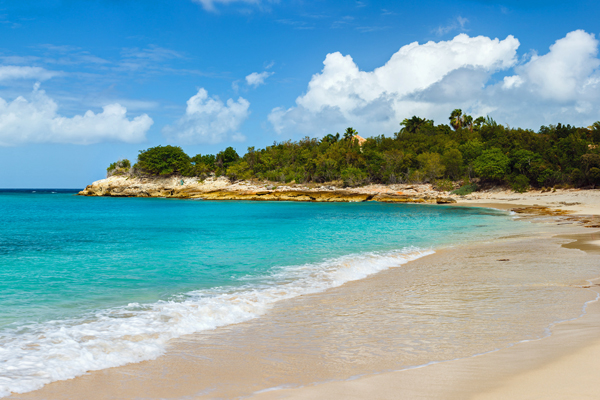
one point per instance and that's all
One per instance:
(84, 83)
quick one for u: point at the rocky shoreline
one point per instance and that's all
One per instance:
(222, 189)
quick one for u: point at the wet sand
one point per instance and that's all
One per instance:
(561, 366)
(456, 303)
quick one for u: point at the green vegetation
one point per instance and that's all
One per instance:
(121, 167)
(466, 189)
(465, 150)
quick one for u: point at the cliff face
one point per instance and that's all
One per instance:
(223, 189)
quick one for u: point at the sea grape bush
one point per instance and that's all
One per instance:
(420, 151)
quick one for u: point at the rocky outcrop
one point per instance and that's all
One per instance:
(223, 189)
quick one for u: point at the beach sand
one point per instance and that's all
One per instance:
(338, 344)
(575, 201)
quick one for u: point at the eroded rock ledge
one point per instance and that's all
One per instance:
(223, 189)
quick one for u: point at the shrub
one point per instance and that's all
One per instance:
(121, 167)
(520, 184)
(353, 177)
(595, 175)
(444, 184)
(465, 189)
(239, 171)
(576, 176)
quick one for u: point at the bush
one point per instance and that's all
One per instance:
(353, 177)
(164, 161)
(239, 171)
(576, 176)
(444, 184)
(594, 175)
(465, 189)
(520, 184)
(121, 167)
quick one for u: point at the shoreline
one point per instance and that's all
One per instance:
(62, 388)
(558, 366)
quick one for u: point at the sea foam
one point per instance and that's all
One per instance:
(36, 354)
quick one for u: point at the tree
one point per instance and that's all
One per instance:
(478, 122)
(208, 160)
(431, 165)
(413, 124)
(329, 138)
(492, 164)
(520, 184)
(468, 122)
(227, 157)
(471, 150)
(456, 119)
(453, 162)
(349, 133)
(163, 160)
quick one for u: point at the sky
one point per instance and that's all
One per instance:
(86, 83)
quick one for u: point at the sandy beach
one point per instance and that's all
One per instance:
(345, 339)
(564, 365)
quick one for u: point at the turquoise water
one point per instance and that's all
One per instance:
(102, 282)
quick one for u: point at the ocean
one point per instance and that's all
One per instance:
(89, 283)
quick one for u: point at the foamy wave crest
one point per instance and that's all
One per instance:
(37, 354)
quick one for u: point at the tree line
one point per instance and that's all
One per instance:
(466, 149)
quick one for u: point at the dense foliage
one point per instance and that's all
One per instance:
(420, 151)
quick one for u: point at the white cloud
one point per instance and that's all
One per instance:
(561, 74)
(432, 79)
(255, 79)
(209, 120)
(343, 95)
(12, 72)
(37, 121)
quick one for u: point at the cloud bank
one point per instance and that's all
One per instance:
(209, 120)
(431, 79)
(37, 121)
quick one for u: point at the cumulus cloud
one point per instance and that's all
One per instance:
(36, 121)
(255, 79)
(344, 95)
(209, 120)
(563, 74)
(12, 72)
(432, 79)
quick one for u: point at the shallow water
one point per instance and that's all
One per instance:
(90, 283)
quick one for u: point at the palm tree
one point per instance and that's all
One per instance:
(456, 119)
(478, 122)
(414, 124)
(349, 134)
(468, 122)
